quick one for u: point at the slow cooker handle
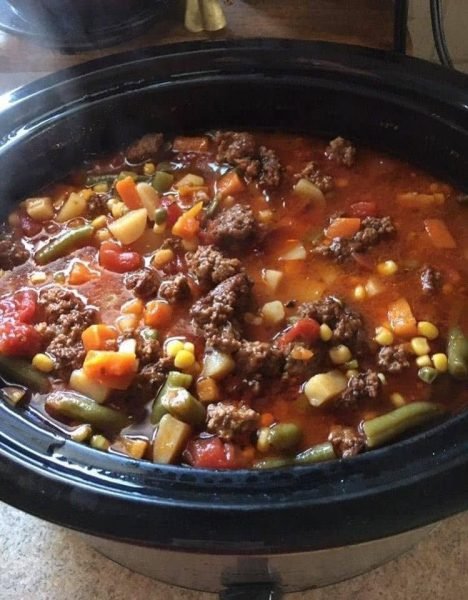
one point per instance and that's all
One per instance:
(251, 591)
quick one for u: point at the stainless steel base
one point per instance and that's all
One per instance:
(291, 572)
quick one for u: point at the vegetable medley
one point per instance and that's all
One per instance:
(237, 300)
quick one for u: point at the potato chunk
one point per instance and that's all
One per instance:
(324, 387)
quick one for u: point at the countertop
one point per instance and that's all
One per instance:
(41, 561)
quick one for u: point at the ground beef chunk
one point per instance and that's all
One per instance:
(372, 231)
(393, 359)
(144, 283)
(148, 348)
(314, 175)
(225, 302)
(233, 227)
(344, 322)
(346, 441)
(209, 267)
(258, 359)
(270, 168)
(230, 422)
(431, 280)
(12, 252)
(225, 339)
(341, 151)
(175, 289)
(363, 386)
(97, 205)
(149, 379)
(296, 366)
(234, 148)
(146, 147)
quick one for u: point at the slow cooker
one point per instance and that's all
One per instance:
(285, 529)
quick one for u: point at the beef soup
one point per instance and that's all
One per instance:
(237, 300)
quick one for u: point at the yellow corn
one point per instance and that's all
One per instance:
(383, 336)
(43, 363)
(326, 333)
(189, 347)
(339, 355)
(420, 346)
(424, 361)
(127, 323)
(99, 222)
(37, 277)
(162, 257)
(99, 442)
(101, 188)
(159, 228)
(149, 168)
(265, 216)
(81, 433)
(173, 347)
(387, 268)
(351, 373)
(428, 330)
(132, 307)
(102, 235)
(190, 245)
(184, 359)
(360, 292)
(397, 400)
(119, 210)
(440, 362)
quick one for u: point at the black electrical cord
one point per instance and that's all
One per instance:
(439, 35)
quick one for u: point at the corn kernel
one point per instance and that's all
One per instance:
(81, 433)
(162, 257)
(112, 202)
(387, 268)
(383, 336)
(119, 210)
(184, 359)
(351, 373)
(174, 347)
(360, 292)
(99, 442)
(99, 222)
(102, 235)
(43, 363)
(265, 216)
(190, 245)
(159, 228)
(420, 346)
(440, 362)
(428, 330)
(37, 277)
(101, 188)
(132, 307)
(397, 400)
(127, 323)
(424, 361)
(189, 347)
(339, 355)
(149, 168)
(326, 333)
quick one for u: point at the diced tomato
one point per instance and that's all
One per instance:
(29, 226)
(363, 209)
(173, 211)
(19, 307)
(18, 339)
(307, 330)
(114, 258)
(211, 453)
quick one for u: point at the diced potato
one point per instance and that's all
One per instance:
(130, 227)
(273, 312)
(75, 206)
(306, 189)
(149, 198)
(294, 252)
(170, 440)
(80, 382)
(40, 209)
(190, 180)
(217, 365)
(324, 387)
(272, 278)
(416, 200)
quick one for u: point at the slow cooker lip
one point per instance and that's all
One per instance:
(316, 55)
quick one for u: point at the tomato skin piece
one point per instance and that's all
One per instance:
(173, 211)
(306, 329)
(26, 305)
(19, 339)
(211, 453)
(114, 258)
(363, 209)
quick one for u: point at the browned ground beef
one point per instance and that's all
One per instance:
(296, 369)
(175, 289)
(345, 323)
(148, 349)
(393, 359)
(229, 422)
(144, 283)
(346, 441)
(225, 339)
(225, 302)
(341, 151)
(258, 359)
(363, 386)
(209, 267)
(97, 205)
(12, 252)
(313, 174)
(431, 280)
(149, 379)
(234, 148)
(146, 147)
(270, 168)
(233, 227)
(372, 231)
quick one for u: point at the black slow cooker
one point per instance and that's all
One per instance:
(240, 526)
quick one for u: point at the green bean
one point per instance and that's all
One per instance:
(213, 206)
(160, 216)
(180, 403)
(457, 353)
(17, 370)
(174, 380)
(272, 463)
(92, 180)
(165, 165)
(63, 244)
(315, 454)
(284, 436)
(428, 374)
(80, 408)
(386, 427)
(162, 181)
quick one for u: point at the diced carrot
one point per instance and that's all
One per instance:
(127, 190)
(439, 234)
(157, 313)
(401, 318)
(266, 419)
(132, 307)
(187, 225)
(230, 184)
(107, 366)
(343, 227)
(80, 274)
(96, 337)
(190, 144)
